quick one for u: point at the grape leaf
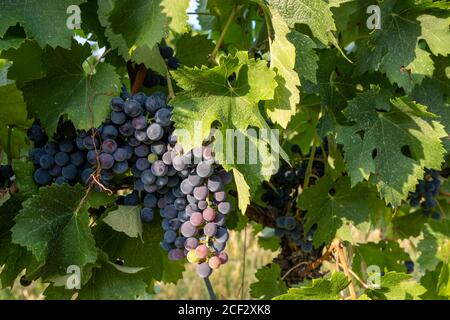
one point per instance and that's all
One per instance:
(269, 284)
(335, 207)
(148, 55)
(176, 14)
(434, 246)
(109, 282)
(320, 289)
(305, 57)
(63, 236)
(45, 20)
(387, 255)
(314, 13)
(437, 283)
(139, 22)
(26, 62)
(243, 190)
(436, 32)
(193, 50)
(135, 251)
(23, 171)
(282, 61)
(380, 140)
(84, 98)
(126, 219)
(13, 117)
(208, 96)
(13, 258)
(393, 48)
(397, 286)
(13, 38)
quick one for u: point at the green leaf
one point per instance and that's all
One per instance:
(434, 246)
(45, 20)
(397, 286)
(387, 255)
(436, 32)
(126, 219)
(282, 61)
(437, 283)
(305, 57)
(110, 283)
(193, 50)
(314, 13)
(23, 171)
(176, 14)
(269, 284)
(381, 139)
(393, 48)
(13, 258)
(148, 55)
(139, 22)
(320, 289)
(26, 62)
(13, 38)
(13, 119)
(84, 98)
(138, 253)
(336, 207)
(208, 96)
(56, 231)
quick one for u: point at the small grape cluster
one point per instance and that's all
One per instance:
(6, 176)
(61, 159)
(199, 232)
(280, 195)
(289, 227)
(153, 79)
(425, 193)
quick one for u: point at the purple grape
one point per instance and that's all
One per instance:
(188, 229)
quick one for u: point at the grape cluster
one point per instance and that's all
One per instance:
(153, 79)
(426, 190)
(6, 176)
(199, 231)
(61, 159)
(186, 188)
(280, 195)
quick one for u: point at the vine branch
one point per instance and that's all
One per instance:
(212, 56)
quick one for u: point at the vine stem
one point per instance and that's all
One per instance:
(170, 86)
(364, 285)
(343, 259)
(212, 294)
(313, 265)
(244, 258)
(212, 56)
(310, 164)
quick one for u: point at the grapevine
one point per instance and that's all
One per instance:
(282, 149)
